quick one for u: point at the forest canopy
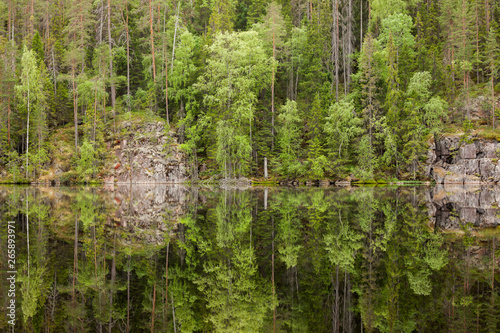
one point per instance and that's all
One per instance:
(319, 88)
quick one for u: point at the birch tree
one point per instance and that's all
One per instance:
(30, 91)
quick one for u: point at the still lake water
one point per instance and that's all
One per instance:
(398, 259)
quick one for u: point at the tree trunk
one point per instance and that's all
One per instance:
(125, 20)
(361, 34)
(335, 45)
(28, 132)
(111, 74)
(8, 123)
(153, 313)
(265, 167)
(166, 88)
(75, 257)
(272, 274)
(166, 278)
(175, 36)
(113, 278)
(128, 294)
(75, 110)
(272, 89)
(152, 40)
(493, 101)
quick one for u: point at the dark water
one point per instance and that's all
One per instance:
(256, 260)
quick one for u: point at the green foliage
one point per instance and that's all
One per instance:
(233, 150)
(393, 61)
(366, 158)
(230, 93)
(86, 166)
(289, 141)
(342, 125)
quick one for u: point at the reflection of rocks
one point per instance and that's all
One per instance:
(453, 162)
(452, 206)
(149, 208)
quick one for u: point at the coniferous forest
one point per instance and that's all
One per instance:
(317, 88)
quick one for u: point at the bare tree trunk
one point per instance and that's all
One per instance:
(335, 46)
(493, 101)
(125, 20)
(265, 167)
(175, 35)
(153, 314)
(493, 276)
(8, 122)
(111, 74)
(487, 12)
(272, 89)
(152, 40)
(166, 279)
(113, 278)
(272, 275)
(75, 257)
(166, 88)
(477, 45)
(128, 294)
(361, 34)
(28, 132)
(95, 110)
(75, 110)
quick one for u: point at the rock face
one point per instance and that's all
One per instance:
(147, 154)
(452, 206)
(452, 162)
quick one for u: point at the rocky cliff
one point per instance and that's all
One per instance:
(451, 161)
(146, 153)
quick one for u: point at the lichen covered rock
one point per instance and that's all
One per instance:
(147, 153)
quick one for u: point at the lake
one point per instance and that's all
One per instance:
(187, 259)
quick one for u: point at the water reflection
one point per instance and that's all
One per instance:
(183, 259)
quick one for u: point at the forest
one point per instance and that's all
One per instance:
(317, 88)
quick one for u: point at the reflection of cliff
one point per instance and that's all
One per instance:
(452, 206)
(140, 214)
(150, 207)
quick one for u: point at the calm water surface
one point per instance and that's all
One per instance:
(185, 259)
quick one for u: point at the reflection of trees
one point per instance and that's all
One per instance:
(236, 301)
(342, 258)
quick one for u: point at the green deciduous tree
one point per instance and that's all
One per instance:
(289, 140)
(424, 115)
(30, 92)
(236, 70)
(341, 125)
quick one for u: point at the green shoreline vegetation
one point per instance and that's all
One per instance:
(332, 90)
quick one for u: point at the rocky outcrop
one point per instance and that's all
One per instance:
(451, 161)
(453, 206)
(147, 153)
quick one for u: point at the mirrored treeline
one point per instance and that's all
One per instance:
(187, 259)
